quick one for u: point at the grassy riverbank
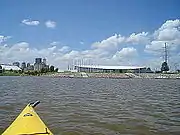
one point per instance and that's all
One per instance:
(26, 73)
(93, 75)
(7, 73)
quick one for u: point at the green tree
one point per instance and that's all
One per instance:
(46, 70)
(148, 69)
(28, 72)
(36, 72)
(51, 68)
(15, 71)
(20, 71)
(42, 70)
(33, 73)
(56, 70)
(164, 67)
(3, 70)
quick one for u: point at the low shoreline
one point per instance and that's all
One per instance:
(116, 75)
(102, 75)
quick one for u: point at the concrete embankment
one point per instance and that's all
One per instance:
(109, 75)
(90, 75)
(159, 76)
(115, 75)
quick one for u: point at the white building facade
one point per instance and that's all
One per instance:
(10, 67)
(110, 69)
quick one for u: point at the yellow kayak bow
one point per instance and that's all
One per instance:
(28, 123)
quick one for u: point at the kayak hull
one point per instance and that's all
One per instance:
(27, 123)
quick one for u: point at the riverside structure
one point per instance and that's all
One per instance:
(110, 69)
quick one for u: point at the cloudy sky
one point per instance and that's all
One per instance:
(102, 32)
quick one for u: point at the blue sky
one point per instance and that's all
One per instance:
(80, 24)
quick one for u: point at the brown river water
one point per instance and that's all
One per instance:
(92, 106)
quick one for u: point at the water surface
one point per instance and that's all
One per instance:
(92, 106)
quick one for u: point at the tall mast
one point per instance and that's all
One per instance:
(165, 51)
(165, 66)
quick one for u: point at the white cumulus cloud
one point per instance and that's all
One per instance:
(139, 38)
(81, 42)
(168, 33)
(50, 24)
(125, 55)
(109, 43)
(137, 49)
(4, 38)
(55, 43)
(64, 49)
(30, 22)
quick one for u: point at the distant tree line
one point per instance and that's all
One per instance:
(33, 72)
(51, 69)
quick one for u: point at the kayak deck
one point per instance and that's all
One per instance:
(28, 123)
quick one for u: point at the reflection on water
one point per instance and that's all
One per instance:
(95, 106)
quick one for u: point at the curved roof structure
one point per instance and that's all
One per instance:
(110, 67)
(9, 67)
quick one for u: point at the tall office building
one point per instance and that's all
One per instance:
(38, 65)
(28, 64)
(16, 64)
(1, 69)
(23, 65)
(38, 60)
(44, 61)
